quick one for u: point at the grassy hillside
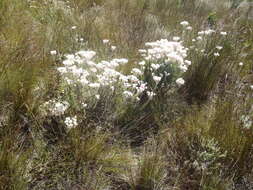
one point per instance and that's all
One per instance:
(126, 95)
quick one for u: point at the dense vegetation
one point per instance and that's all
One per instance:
(126, 94)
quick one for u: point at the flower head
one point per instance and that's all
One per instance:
(105, 41)
(180, 81)
(71, 122)
(223, 33)
(216, 54)
(184, 23)
(53, 52)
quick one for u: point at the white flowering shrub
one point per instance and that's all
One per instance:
(85, 81)
(164, 62)
(85, 78)
(55, 108)
(81, 72)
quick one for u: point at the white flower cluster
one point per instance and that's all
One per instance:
(247, 121)
(81, 69)
(185, 24)
(206, 32)
(163, 52)
(168, 51)
(201, 39)
(55, 107)
(71, 122)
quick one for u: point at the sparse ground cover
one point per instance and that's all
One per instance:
(126, 94)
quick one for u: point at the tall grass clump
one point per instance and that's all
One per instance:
(148, 171)
(22, 64)
(194, 159)
(13, 167)
(81, 160)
